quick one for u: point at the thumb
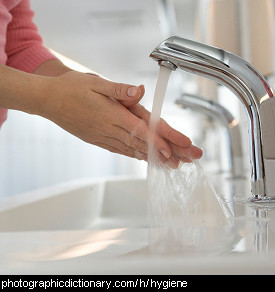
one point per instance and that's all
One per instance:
(128, 95)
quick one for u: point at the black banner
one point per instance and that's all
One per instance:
(118, 282)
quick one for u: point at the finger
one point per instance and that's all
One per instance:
(138, 129)
(183, 150)
(189, 153)
(173, 162)
(172, 135)
(123, 150)
(129, 142)
(163, 128)
(141, 112)
(128, 95)
(157, 159)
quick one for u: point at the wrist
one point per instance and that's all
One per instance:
(53, 67)
(22, 91)
(40, 94)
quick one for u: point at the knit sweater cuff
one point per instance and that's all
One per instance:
(29, 59)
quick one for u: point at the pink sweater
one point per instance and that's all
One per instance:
(20, 43)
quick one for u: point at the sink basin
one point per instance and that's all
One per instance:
(78, 205)
(103, 227)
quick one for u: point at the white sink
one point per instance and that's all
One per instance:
(78, 205)
(102, 227)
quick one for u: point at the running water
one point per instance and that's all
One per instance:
(163, 78)
(174, 210)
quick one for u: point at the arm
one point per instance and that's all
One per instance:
(81, 104)
(20, 90)
(24, 47)
(100, 112)
(51, 68)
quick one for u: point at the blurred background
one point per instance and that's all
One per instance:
(115, 38)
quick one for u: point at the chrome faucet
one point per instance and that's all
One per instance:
(248, 85)
(235, 164)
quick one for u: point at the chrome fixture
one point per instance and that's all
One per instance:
(248, 85)
(233, 141)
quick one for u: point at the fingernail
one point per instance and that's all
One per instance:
(132, 91)
(164, 153)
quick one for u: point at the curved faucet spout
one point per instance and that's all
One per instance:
(236, 74)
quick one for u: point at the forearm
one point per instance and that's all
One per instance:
(52, 68)
(22, 91)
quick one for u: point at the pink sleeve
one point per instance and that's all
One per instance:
(24, 46)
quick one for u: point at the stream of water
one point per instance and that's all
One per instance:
(173, 210)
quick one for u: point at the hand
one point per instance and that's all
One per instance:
(181, 146)
(107, 114)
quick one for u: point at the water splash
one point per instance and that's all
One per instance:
(181, 203)
(174, 211)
